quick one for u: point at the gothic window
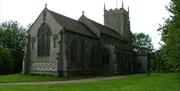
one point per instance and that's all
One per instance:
(105, 57)
(93, 52)
(43, 35)
(73, 47)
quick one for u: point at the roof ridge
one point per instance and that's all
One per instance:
(77, 26)
(70, 24)
(62, 15)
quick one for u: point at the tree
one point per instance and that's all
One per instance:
(12, 36)
(160, 62)
(6, 62)
(170, 32)
(142, 43)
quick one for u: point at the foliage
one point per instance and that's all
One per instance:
(140, 82)
(142, 43)
(6, 61)
(12, 36)
(160, 63)
(170, 32)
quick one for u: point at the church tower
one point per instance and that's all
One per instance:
(118, 19)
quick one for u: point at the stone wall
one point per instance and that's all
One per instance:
(118, 19)
(122, 57)
(90, 56)
(79, 52)
(142, 62)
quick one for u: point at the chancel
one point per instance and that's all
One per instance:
(60, 46)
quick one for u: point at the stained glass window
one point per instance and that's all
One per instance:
(44, 34)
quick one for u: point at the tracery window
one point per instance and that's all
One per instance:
(105, 57)
(94, 53)
(43, 35)
(73, 46)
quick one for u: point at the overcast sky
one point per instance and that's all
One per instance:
(145, 15)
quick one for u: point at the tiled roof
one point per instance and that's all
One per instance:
(78, 27)
(71, 24)
(107, 31)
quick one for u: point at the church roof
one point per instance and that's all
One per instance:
(78, 27)
(107, 31)
(71, 25)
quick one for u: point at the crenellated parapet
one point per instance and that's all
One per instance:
(116, 11)
(118, 19)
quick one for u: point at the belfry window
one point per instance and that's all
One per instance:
(43, 35)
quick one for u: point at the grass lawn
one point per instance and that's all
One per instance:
(140, 82)
(27, 78)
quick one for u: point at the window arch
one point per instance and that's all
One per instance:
(105, 57)
(73, 51)
(43, 35)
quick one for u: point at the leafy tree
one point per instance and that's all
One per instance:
(160, 62)
(142, 43)
(171, 35)
(12, 36)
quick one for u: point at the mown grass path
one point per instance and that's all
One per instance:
(60, 82)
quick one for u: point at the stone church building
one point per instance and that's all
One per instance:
(60, 46)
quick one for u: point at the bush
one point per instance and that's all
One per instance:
(6, 62)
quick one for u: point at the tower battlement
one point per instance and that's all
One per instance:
(118, 19)
(116, 11)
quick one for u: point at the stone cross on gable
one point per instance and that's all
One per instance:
(45, 13)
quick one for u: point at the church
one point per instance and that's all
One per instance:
(60, 46)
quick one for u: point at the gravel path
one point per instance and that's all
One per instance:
(60, 82)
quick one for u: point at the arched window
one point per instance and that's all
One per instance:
(73, 46)
(43, 35)
(105, 57)
(93, 54)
